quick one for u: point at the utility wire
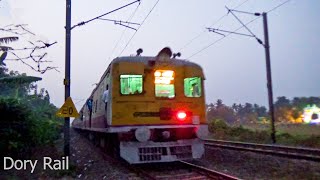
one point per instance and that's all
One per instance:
(85, 22)
(252, 34)
(124, 30)
(206, 47)
(121, 23)
(139, 27)
(215, 31)
(241, 22)
(278, 6)
(196, 37)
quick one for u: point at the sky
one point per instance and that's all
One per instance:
(234, 66)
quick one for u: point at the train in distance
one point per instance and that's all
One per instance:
(148, 109)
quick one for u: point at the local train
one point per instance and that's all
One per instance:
(155, 110)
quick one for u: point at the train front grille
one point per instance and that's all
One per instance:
(156, 153)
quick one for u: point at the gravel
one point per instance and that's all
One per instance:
(91, 164)
(88, 162)
(249, 165)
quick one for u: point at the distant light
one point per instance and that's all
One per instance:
(311, 114)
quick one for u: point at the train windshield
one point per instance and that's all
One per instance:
(131, 84)
(192, 87)
(164, 83)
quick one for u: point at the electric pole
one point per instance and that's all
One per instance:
(67, 77)
(269, 78)
(267, 54)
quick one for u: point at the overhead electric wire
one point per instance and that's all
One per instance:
(95, 18)
(124, 30)
(278, 6)
(242, 23)
(119, 21)
(221, 38)
(196, 37)
(206, 47)
(139, 27)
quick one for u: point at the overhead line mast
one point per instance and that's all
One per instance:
(67, 78)
(267, 52)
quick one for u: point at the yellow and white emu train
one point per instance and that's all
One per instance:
(155, 110)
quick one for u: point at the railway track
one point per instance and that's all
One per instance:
(286, 151)
(209, 172)
(179, 170)
(172, 170)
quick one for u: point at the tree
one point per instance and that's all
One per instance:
(6, 40)
(19, 82)
(235, 107)
(26, 119)
(34, 59)
(219, 103)
(283, 111)
(282, 102)
(221, 111)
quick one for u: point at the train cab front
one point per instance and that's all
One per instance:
(160, 106)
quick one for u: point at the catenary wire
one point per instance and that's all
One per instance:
(278, 6)
(218, 40)
(222, 17)
(139, 27)
(124, 30)
(206, 47)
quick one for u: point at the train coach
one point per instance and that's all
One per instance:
(154, 111)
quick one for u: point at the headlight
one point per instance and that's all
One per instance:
(142, 134)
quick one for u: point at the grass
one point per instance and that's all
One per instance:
(303, 135)
(293, 129)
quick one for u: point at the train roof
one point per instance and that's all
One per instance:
(146, 59)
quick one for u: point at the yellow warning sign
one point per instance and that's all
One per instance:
(68, 109)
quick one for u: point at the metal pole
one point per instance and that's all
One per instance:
(269, 79)
(67, 77)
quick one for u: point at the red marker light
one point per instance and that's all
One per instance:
(181, 115)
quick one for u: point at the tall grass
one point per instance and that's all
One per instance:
(292, 135)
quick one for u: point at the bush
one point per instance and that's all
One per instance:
(15, 123)
(21, 128)
(217, 125)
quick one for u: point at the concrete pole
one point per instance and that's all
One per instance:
(269, 79)
(67, 77)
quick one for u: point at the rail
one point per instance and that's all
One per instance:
(287, 151)
(178, 170)
(209, 172)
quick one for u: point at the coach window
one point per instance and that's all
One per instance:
(192, 87)
(164, 83)
(131, 84)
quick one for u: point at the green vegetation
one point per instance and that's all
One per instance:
(286, 111)
(27, 118)
(251, 123)
(221, 130)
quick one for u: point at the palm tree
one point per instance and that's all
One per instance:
(5, 49)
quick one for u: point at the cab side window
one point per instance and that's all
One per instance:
(131, 84)
(192, 87)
